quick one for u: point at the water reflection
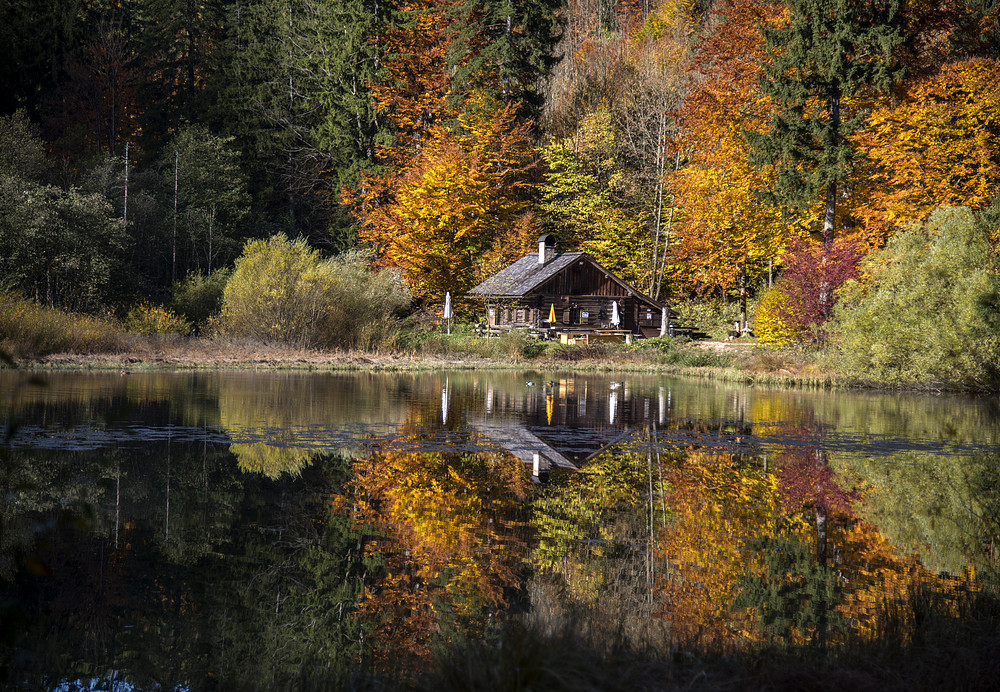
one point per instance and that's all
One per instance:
(237, 530)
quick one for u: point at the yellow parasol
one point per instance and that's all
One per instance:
(552, 314)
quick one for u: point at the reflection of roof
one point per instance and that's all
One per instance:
(521, 442)
(524, 275)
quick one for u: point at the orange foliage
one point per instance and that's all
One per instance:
(939, 147)
(413, 95)
(452, 540)
(724, 225)
(720, 508)
(457, 210)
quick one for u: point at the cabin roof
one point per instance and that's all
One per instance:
(524, 275)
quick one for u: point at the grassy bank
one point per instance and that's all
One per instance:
(39, 337)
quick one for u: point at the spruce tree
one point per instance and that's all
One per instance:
(505, 48)
(297, 98)
(827, 52)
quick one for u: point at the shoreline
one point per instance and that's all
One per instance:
(744, 367)
(199, 355)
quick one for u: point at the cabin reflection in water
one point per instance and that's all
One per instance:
(566, 423)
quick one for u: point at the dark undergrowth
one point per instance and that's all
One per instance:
(954, 651)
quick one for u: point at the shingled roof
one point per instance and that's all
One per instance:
(524, 275)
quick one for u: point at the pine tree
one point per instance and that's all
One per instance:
(827, 53)
(504, 49)
(297, 95)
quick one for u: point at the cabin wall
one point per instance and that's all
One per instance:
(577, 312)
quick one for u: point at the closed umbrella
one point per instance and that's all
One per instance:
(447, 309)
(615, 317)
(552, 314)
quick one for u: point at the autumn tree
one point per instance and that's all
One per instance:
(646, 124)
(818, 63)
(456, 211)
(938, 146)
(727, 234)
(812, 275)
(582, 199)
(452, 542)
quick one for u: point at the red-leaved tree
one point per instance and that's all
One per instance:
(813, 273)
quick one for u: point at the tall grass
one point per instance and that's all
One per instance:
(29, 330)
(941, 646)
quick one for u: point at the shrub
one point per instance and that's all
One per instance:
(921, 315)
(198, 297)
(154, 319)
(281, 290)
(770, 325)
(810, 280)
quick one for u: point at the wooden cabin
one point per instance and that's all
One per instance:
(575, 289)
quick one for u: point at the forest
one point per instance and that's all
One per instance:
(833, 161)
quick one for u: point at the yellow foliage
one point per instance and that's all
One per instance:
(460, 197)
(149, 319)
(939, 147)
(769, 325)
(720, 510)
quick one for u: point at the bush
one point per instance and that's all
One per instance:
(31, 330)
(154, 319)
(282, 291)
(770, 325)
(922, 315)
(198, 297)
(712, 316)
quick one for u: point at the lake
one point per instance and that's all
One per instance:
(286, 530)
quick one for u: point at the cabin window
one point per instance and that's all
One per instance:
(649, 315)
(520, 315)
(584, 317)
(566, 316)
(491, 316)
(506, 316)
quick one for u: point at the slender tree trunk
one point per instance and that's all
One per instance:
(125, 203)
(831, 188)
(173, 240)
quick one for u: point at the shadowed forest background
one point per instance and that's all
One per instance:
(789, 154)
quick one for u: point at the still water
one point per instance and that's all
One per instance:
(285, 530)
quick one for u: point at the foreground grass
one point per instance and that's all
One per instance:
(941, 650)
(29, 331)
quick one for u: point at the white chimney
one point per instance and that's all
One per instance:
(546, 248)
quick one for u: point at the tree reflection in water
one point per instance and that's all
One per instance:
(261, 565)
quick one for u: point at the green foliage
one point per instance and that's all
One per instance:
(30, 330)
(712, 316)
(198, 297)
(827, 52)
(212, 199)
(283, 291)
(296, 97)
(919, 317)
(149, 319)
(505, 51)
(795, 593)
(63, 247)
